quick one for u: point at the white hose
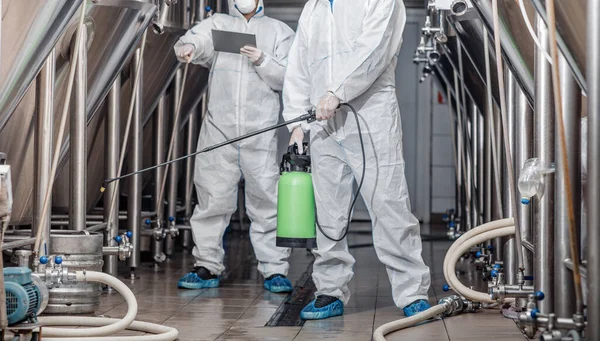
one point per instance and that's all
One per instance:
(162, 333)
(391, 327)
(452, 258)
(478, 235)
(120, 325)
(475, 232)
(105, 326)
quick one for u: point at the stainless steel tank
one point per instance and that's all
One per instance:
(80, 251)
(115, 28)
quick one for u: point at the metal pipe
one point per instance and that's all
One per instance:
(122, 216)
(497, 163)
(481, 179)
(523, 152)
(510, 249)
(113, 134)
(464, 145)
(564, 289)
(474, 164)
(199, 10)
(489, 174)
(189, 173)
(78, 142)
(44, 137)
(582, 268)
(134, 200)
(593, 166)
(99, 227)
(528, 246)
(18, 243)
(160, 131)
(544, 151)
(174, 171)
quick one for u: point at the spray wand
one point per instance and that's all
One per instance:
(309, 117)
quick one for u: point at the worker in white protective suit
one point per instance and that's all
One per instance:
(243, 97)
(346, 51)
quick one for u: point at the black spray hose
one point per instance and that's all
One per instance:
(309, 117)
(362, 178)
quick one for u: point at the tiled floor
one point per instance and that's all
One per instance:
(240, 308)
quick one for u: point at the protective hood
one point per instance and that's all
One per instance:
(260, 10)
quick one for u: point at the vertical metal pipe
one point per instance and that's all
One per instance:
(544, 151)
(497, 197)
(174, 168)
(78, 143)
(481, 179)
(199, 10)
(564, 290)
(463, 120)
(489, 173)
(160, 131)
(523, 152)
(44, 137)
(474, 164)
(189, 173)
(134, 199)
(113, 137)
(510, 251)
(593, 166)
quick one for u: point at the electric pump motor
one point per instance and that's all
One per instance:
(23, 298)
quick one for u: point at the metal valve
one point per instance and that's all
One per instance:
(173, 230)
(52, 273)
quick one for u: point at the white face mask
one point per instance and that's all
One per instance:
(245, 6)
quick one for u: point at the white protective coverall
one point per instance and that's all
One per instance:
(242, 98)
(350, 47)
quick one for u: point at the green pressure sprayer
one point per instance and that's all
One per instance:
(296, 201)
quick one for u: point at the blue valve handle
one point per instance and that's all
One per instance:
(148, 221)
(494, 273)
(43, 260)
(118, 239)
(525, 201)
(478, 254)
(58, 260)
(490, 247)
(446, 287)
(129, 234)
(534, 313)
(539, 295)
(208, 9)
(171, 219)
(497, 266)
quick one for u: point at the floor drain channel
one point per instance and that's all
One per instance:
(288, 313)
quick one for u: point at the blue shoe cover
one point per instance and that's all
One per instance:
(278, 284)
(416, 307)
(191, 280)
(310, 312)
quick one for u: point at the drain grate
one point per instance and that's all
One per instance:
(288, 313)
